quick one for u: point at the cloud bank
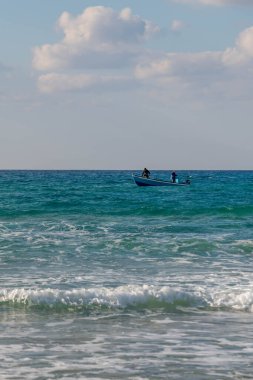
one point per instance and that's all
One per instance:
(211, 73)
(105, 49)
(216, 2)
(100, 37)
(198, 64)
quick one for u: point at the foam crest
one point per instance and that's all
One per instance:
(147, 296)
(120, 297)
(239, 300)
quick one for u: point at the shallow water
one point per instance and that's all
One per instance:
(102, 279)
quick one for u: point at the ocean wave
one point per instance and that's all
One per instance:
(236, 299)
(129, 296)
(120, 297)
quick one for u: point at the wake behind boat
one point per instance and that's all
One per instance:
(144, 181)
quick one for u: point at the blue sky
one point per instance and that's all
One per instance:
(165, 84)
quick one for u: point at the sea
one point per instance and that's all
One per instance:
(102, 279)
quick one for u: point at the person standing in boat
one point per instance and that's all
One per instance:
(173, 177)
(145, 173)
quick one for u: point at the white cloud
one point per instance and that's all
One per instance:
(55, 82)
(103, 49)
(180, 65)
(242, 53)
(99, 37)
(177, 26)
(204, 72)
(216, 2)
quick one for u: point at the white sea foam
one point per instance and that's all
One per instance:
(131, 295)
(234, 299)
(244, 242)
(122, 296)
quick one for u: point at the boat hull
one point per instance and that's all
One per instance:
(142, 181)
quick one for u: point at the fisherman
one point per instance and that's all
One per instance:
(173, 176)
(188, 180)
(145, 173)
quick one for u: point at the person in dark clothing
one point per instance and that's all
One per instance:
(145, 173)
(173, 176)
(188, 180)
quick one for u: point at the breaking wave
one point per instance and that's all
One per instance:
(129, 296)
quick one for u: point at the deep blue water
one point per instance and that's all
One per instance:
(103, 279)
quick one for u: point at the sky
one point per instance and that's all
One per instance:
(117, 84)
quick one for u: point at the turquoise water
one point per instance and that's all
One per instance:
(101, 279)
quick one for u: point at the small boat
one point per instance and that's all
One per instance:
(144, 181)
